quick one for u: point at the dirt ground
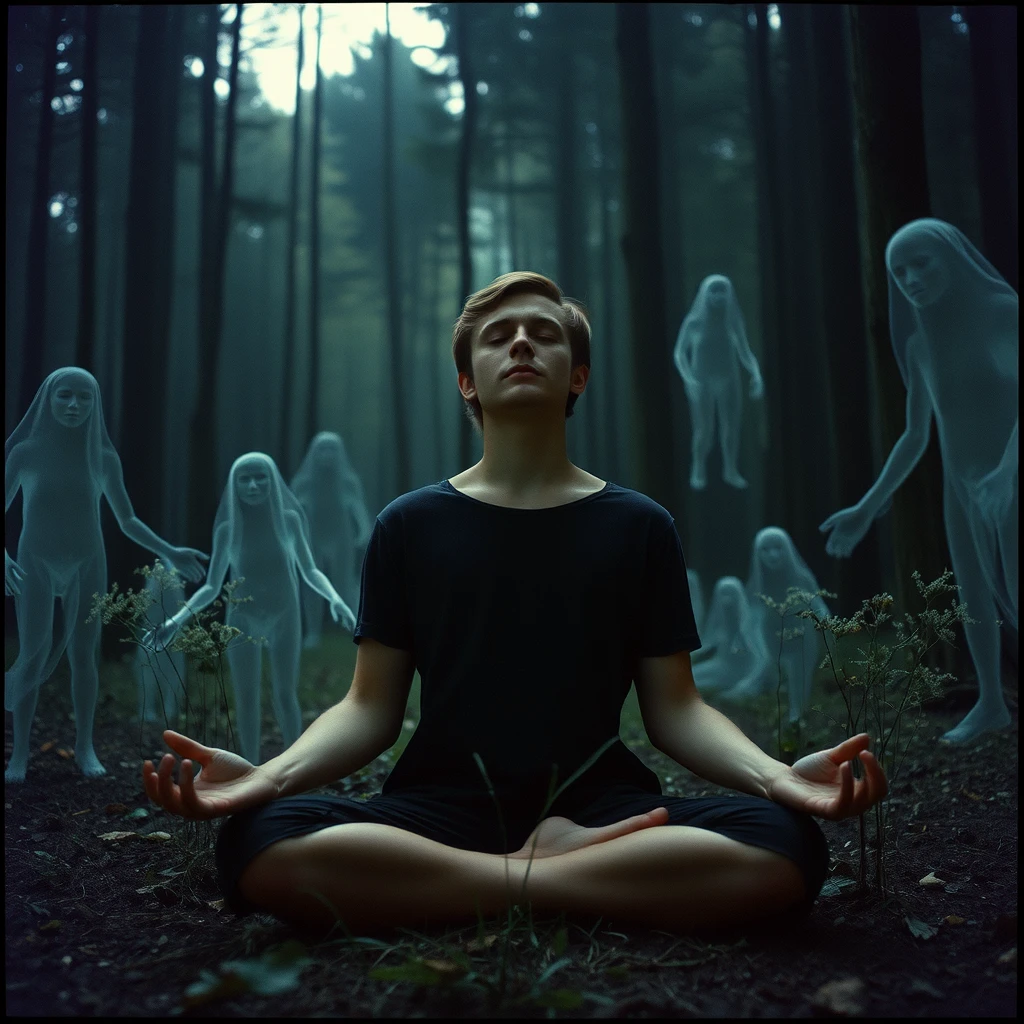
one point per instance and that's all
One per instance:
(134, 926)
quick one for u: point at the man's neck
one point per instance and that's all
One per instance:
(525, 465)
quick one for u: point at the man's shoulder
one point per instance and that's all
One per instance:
(636, 503)
(414, 503)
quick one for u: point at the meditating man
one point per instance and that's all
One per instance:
(529, 594)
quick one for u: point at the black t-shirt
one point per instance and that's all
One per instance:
(526, 626)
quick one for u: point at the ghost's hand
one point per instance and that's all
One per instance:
(341, 612)
(848, 527)
(756, 388)
(160, 637)
(189, 562)
(14, 575)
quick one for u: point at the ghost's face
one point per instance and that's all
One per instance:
(72, 400)
(252, 482)
(325, 456)
(717, 293)
(772, 551)
(919, 269)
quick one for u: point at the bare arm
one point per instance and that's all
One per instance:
(210, 589)
(702, 739)
(694, 734)
(13, 468)
(360, 727)
(912, 444)
(347, 736)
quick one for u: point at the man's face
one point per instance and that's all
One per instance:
(521, 358)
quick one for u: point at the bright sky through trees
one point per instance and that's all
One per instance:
(347, 27)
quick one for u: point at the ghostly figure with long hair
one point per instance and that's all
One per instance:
(330, 492)
(261, 537)
(736, 650)
(696, 597)
(710, 349)
(953, 327)
(775, 567)
(62, 459)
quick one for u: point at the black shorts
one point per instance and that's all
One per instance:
(470, 822)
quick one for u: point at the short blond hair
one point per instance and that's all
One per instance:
(575, 318)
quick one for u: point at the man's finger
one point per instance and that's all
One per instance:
(169, 798)
(149, 781)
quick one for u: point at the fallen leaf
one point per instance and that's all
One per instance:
(155, 837)
(50, 926)
(953, 919)
(445, 968)
(1009, 957)
(834, 885)
(919, 929)
(48, 745)
(75, 814)
(215, 904)
(970, 796)
(931, 879)
(114, 837)
(65, 753)
(840, 997)
(139, 812)
(474, 945)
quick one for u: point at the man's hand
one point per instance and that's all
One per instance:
(822, 784)
(227, 784)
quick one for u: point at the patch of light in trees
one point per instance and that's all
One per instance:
(481, 88)
(525, 34)
(195, 66)
(77, 84)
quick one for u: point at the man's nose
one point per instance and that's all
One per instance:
(520, 340)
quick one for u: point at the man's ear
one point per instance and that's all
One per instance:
(578, 379)
(466, 386)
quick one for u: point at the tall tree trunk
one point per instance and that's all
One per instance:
(993, 35)
(433, 250)
(85, 345)
(843, 305)
(642, 248)
(769, 249)
(313, 408)
(288, 370)
(34, 346)
(808, 441)
(148, 268)
(202, 503)
(894, 190)
(462, 15)
(610, 407)
(392, 272)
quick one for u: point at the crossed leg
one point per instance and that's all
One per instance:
(377, 877)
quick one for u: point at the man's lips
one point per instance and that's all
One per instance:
(523, 368)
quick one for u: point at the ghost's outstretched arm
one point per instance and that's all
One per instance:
(13, 573)
(185, 560)
(849, 525)
(204, 596)
(340, 611)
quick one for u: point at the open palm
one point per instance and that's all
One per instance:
(822, 784)
(227, 784)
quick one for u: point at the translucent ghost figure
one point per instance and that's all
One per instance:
(330, 492)
(953, 327)
(737, 651)
(261, 536)
(62, 459)
(160, 675)
(696, 597)
(711, 347)
(775, 566)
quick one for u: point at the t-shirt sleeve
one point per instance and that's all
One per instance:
(383, 598)
(667, 624)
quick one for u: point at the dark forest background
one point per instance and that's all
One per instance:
(238, 279)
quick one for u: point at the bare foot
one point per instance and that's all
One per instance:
(554, 836)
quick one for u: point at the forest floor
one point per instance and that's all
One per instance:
(134, 926)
